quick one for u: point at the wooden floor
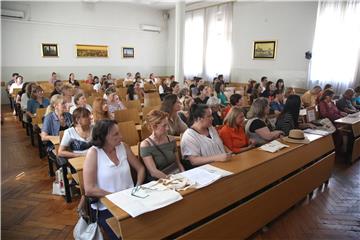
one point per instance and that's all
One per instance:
(30, 211)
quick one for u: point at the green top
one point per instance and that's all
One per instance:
(222, 98)
(169, 150)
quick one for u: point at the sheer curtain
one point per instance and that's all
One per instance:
(336, 49)
(218, 46)
(194, 44)
(207, 46)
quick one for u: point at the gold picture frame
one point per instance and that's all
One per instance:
(96, 51)
(49, 50)
(264, 49)
(128, 52)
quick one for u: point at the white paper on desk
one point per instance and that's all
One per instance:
(200, 176)
(216, 170)
(317, 132)
(273, 146)
(136, 206)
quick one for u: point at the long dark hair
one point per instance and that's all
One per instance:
(197, 111)
(168, 103)
(282, 88)
(217, 87)
(131, 91)
(100, 131)
(292, 106)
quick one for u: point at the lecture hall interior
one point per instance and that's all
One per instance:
(145, 119)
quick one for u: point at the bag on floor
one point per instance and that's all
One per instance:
(85, 231)
(58, 184)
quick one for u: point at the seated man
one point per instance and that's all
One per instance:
(344, 104)
(309, 98)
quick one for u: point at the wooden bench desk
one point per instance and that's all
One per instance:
(263, 186)
(353, 145)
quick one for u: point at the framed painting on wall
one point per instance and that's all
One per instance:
(264, 49)
(128, 52)
(91, 50)
(49, 50)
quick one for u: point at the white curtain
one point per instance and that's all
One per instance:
(336, 49)
(207, 47)
(194, 44)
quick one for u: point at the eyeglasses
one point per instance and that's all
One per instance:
(136, 192)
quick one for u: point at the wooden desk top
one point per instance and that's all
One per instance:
(77, 163)
(55, 139)
(240, 163)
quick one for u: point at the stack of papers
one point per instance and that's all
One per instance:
(317, 132)
(146, 199)
(273, 146)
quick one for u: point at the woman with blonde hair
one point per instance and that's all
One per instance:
(232, 133)
(159, 151)
(258, 127)
(56, 119)
(101, 110)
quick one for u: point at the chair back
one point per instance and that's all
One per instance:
(152, 101)
(125, 115)
(40, 113)
(133, 104)
(146, 110)
(129, 132)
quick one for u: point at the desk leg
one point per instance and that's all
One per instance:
(31, 132)
(51, 167)
(66, 183)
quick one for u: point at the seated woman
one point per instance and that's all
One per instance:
(107, 168)
(76, 140)
(171, 105)
(159, 151)
(269, 90)
(356, 98)
(37, 101)
(101, 110)
(219, 89)
(201, 143)
(250, 87)
(134, 92)
(72, 79)
(277, 105)
(202, 96)
(289, 117)
(184, 113)
(258, 127)
(113, 100)
(56, 119)
(256, 92)
(280, 85)
(80, 101)
(67, 91)
(232, 133)
(327, 108)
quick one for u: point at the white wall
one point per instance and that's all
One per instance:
(291, 24)
(68, 23)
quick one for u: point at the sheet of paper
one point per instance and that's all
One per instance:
(146, 200)
(200, 176)
(273, 146)
(216, 170)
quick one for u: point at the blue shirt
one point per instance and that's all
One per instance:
(52, 126)
(356, 100)
(276, 106)
(33, 105)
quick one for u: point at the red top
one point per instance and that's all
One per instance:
(233, 138)
(329, 110)
(225, 111)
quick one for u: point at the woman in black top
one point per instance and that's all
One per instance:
(269, 90)
(202, 95)
(280, 85)
(289, 118)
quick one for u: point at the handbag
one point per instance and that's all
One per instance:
(87, 231)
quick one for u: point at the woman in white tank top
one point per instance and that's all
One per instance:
(107, 167)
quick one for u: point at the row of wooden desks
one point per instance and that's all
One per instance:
(353, 145)
(262, 187)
